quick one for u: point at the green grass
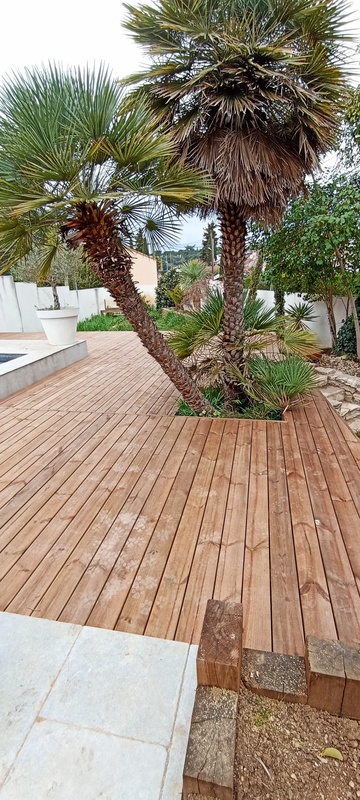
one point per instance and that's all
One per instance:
(117, 322)
(215, 397)
(262, 717)
(106, 322)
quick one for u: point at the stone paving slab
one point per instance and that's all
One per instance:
(87, 712)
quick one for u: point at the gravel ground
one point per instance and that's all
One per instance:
(279, 752)
(279, 748)
(343, 363)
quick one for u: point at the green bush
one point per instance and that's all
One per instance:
(167, 280)
(84, 277)
(117, 322)
(346, 339)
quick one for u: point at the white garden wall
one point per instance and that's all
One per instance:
(18, 303)
(320, 325)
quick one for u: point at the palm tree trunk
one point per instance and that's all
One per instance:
(329, 302)
(96, 229)
(233, 230)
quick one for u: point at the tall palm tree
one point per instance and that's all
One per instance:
(251, 91)
(74, 165)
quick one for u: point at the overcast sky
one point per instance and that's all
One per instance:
(79, 32)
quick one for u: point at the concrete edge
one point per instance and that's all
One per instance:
(41, 367)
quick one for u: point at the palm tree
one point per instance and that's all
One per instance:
(250, 90)
(75, 166)
(190, 272)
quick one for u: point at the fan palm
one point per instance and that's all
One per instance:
(75, 165)
(276, 385)
(190, 272)
(250, 90)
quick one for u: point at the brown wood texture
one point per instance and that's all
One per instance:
(325, 674)
(219, 655)
(114, 512)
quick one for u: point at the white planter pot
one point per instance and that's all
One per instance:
(59, 326)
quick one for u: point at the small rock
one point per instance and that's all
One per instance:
(293, 776)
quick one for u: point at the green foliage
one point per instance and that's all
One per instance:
(84, 277)
(302, 255)
(346, 339)
(301, 313)
(250, 89)
(275, 385)
(190, 272)
(141, 244)
(199, 327)
(105, 322)
(215, 395)
(297, 341)
(270, 386)
(170, 259)
(166, 281)
(117, 322)
(257, 317)
(176, 295)
(68, 137)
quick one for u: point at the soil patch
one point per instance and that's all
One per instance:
(278, 753)
(279, 748)
(341, 363)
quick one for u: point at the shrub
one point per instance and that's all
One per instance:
(167, 280)
(273, 386)
(84, 277)
(346, 339)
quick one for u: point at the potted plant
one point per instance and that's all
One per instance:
(59, 324)
(50, 264)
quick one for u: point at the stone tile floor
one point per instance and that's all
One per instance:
(90, 713)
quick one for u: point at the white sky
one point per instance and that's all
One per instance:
(79, 32)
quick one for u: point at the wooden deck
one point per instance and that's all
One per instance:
(118, 514)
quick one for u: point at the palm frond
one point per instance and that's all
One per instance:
(298, 341)
(199, 327)
(276, 385)
(251, 90)
(301, 313)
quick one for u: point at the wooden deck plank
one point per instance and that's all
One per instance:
(117, 513)
(115, 591)
(256, 596)
(134, 525)
(314, 593)
(124, 510)
(346, 512)
(229, 578)
(164, 615)
(71, 531)
(287, 624)
(30, 499)
(140, 600)
(340, 578)
(346, 456)
(84, 480)
(202, 577)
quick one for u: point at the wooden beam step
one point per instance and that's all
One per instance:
(210, 757)
(275, 675)
(220, 649)
(333, 676)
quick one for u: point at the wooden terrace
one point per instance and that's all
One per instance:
(117, 513)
